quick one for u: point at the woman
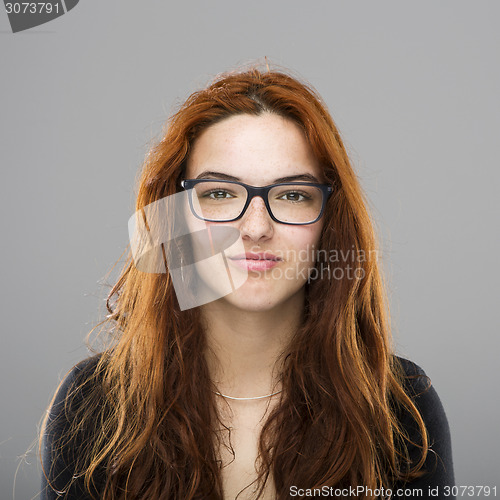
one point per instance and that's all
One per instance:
(287, 382)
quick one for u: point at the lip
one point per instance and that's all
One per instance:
(253, 261)
(255, 256)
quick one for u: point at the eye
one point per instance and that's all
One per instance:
(218, 194)
(294, 196)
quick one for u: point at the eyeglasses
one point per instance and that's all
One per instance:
(296, 203)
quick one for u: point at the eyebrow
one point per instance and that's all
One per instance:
(290, 178)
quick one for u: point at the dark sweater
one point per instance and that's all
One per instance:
(438, 465)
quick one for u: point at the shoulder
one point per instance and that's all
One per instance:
(62, 437)
(74, 390)
(82, 371)
(75, 385)
(419, 388)
(416, 382)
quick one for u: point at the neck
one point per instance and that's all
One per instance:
(245, 348)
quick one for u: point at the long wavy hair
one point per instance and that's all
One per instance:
(150, 413)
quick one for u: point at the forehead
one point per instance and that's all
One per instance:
(255, 149)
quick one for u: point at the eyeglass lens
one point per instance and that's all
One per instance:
(289, 203)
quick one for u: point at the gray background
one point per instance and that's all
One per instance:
(414, 89)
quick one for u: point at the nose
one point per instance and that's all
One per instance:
(256, 222)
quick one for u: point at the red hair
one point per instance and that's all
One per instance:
(336, 424)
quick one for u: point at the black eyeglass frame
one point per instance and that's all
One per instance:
(263, 192)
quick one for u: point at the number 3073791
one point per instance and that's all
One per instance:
(32, 7)
(470, 491)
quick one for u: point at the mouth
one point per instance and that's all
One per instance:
(256, 261)
(256, 256)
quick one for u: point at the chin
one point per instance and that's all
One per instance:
(254, 296)
(254, 304)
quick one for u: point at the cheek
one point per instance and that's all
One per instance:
(301, 244)
(304, 237)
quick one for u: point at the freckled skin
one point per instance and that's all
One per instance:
(258, 150)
